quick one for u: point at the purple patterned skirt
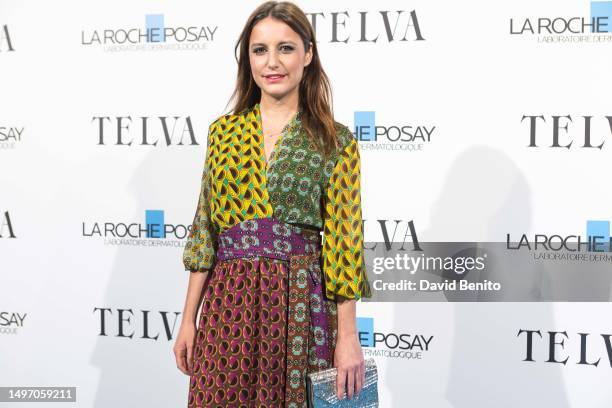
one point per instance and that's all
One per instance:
(265, 321)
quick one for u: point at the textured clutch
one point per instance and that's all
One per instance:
(321, 389)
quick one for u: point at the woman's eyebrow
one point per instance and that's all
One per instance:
(280, 43)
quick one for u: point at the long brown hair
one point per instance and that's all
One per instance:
(315, 96)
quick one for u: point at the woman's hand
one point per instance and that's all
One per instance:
(183, 347)
(350, 365)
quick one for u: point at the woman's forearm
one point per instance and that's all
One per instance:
(194, 296)
(347, 320)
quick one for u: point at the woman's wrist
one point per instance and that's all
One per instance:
(348, 329)
(188, 318)
(347, 322)
(189, 311)
(347, 335)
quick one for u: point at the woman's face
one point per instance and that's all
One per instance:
(277, 57)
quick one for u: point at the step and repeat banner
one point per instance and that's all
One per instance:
(485, 132)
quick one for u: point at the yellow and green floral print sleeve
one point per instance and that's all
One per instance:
(201, 245)
(343, 259)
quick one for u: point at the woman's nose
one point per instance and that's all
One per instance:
(272, 59)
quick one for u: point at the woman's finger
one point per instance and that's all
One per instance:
(181, 362)
(351, 382)
(340, 382)
(360, 379)
(190, 358)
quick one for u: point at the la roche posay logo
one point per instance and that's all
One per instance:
(595, 246)
(11, 322)
(391, 344)
(406, 137)
(154, 232)
(10, 136)
(154, 35)
(595, 27)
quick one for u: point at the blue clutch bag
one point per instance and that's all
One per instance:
(321, 389)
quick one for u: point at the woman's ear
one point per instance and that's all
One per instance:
(308, 55)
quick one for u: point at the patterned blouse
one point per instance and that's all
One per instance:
(297, 186)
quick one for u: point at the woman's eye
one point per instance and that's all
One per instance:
(283, 48)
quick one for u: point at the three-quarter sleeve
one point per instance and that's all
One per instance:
(342, 252)
(201, 245)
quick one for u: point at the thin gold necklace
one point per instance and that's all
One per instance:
(275, 134)
(284, 127)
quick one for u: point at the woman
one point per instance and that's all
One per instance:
(276, 303)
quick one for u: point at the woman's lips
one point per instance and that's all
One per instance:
(274, 78)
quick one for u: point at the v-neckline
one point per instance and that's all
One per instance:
(290, 124)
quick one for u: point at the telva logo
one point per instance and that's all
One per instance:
(554, 347)
(5, 39)
(384, 23)
(6, 227)
(126, 323)
(563, 131)
(121, 133)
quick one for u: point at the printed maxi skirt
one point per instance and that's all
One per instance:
(265, 321)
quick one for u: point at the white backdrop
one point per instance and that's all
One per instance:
(469, 79)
